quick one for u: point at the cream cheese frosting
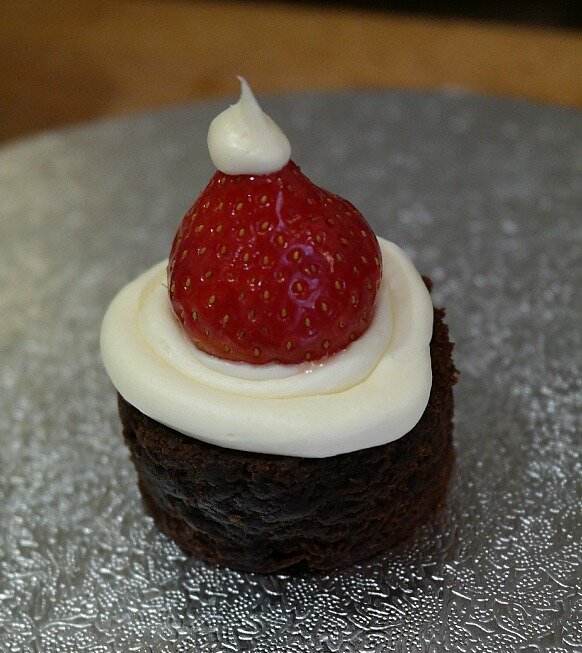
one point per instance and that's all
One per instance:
(244, 140)
(166, 337)
(371, 393)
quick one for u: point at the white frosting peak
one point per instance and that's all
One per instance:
(243, 140)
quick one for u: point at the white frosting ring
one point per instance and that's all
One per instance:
(373, 392)
(160, 329)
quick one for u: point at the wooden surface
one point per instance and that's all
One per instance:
(69, 61)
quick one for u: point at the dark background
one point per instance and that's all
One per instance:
(565, 13)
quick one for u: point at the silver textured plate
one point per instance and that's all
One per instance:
(486, 195)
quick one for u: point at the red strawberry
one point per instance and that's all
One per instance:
(271, 268)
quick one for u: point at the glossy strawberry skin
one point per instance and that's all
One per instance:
(271, 268)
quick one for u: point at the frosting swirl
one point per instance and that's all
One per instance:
(373, 392)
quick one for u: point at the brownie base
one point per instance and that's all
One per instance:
(265, 513)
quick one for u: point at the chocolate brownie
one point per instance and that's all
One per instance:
(265, 513)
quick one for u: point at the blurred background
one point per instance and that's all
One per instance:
(68, 61)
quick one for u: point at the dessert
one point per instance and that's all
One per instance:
(285, 385)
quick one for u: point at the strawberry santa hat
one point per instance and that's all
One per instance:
(267, 267)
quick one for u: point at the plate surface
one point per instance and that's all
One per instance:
(486, 195)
